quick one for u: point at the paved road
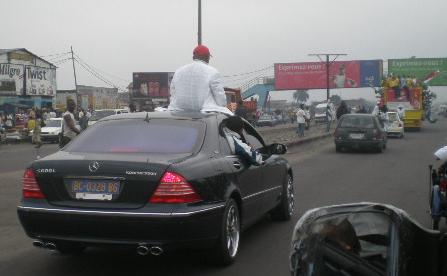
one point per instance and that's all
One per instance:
(322, 177)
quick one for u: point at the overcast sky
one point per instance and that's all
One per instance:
(121, 37)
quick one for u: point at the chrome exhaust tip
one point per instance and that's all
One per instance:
(51, 246)
(142, 250)
(156, 250)
(38, 244)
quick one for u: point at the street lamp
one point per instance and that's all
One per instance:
(328, 64)
(199, 31)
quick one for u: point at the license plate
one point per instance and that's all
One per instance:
(357, 135)
(89, 189)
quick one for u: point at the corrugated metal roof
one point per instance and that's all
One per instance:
(5, 51)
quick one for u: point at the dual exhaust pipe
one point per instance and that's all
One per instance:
(45, 245)
(142, 249)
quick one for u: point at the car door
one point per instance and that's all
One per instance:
(246, 177)
(272, 172)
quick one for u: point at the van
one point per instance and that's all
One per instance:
(320, 112)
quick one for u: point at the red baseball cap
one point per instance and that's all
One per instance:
(201, 51)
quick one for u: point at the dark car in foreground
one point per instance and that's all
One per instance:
(358, 131)
(154, 181)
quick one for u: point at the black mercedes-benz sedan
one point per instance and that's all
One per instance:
(154, 181)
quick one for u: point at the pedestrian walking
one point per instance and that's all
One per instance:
(69, 130)
(342, 110)
(301, 120)
(38, 123)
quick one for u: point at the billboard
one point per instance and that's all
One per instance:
(342, 74)
(40, 81)
(151, 85)
(11, 79)
(431, 70)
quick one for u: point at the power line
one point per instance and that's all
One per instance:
(96, 69)
(55, 54)
(97, 75)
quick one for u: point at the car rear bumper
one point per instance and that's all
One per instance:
(186, 227)
(353, 143)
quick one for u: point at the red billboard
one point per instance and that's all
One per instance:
(151, 85)
(342, 74)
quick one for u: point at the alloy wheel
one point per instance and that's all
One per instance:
(233, 231)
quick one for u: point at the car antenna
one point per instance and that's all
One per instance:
(147, 117)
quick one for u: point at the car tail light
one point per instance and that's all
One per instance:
(377, 134)
(30, 187)
(173, 188)
(400, 124)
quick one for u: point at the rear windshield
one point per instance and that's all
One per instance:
(392, 117)
(53, 123)
(357, 122)
(101, 114)
(138, 136)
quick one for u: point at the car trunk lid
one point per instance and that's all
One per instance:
(110, 181)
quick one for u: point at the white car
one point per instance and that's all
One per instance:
(52, 130)
(102, 113)
(394, 125)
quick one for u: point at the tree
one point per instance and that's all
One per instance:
(300, 96)
(335, 99)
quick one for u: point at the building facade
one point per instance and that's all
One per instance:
(26, 81)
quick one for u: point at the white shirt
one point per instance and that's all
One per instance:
(67, 130)
(300, 116)
(197, 87)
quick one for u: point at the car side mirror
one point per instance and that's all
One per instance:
(277, 148)
(364, 239)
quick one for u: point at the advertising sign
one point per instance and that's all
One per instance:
(342, 74)
(151, 85)
(433, 71)
(11, 79)
(40, 81)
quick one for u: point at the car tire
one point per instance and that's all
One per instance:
(435, 223)
(227, 246)
(70, 248)
(286, 207)
(337, 148)
(379, 149)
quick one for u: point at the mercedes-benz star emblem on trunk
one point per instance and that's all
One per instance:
(94, 166)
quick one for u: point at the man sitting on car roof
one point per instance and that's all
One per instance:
(197, 87)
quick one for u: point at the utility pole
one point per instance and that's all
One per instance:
(199, 31)
(328, 65)
(74, 70)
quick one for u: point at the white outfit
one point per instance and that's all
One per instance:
(197, 87)
(67, 130)
(300, 116)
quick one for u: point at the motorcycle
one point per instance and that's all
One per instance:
(365, 239)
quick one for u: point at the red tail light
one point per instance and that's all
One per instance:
(31, 188)
(377, 134)
(173, 188)
(400, 124)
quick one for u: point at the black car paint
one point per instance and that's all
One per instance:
(342, 138)
(133, 220)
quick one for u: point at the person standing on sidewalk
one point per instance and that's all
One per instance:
(301, 120)
(328, 117)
